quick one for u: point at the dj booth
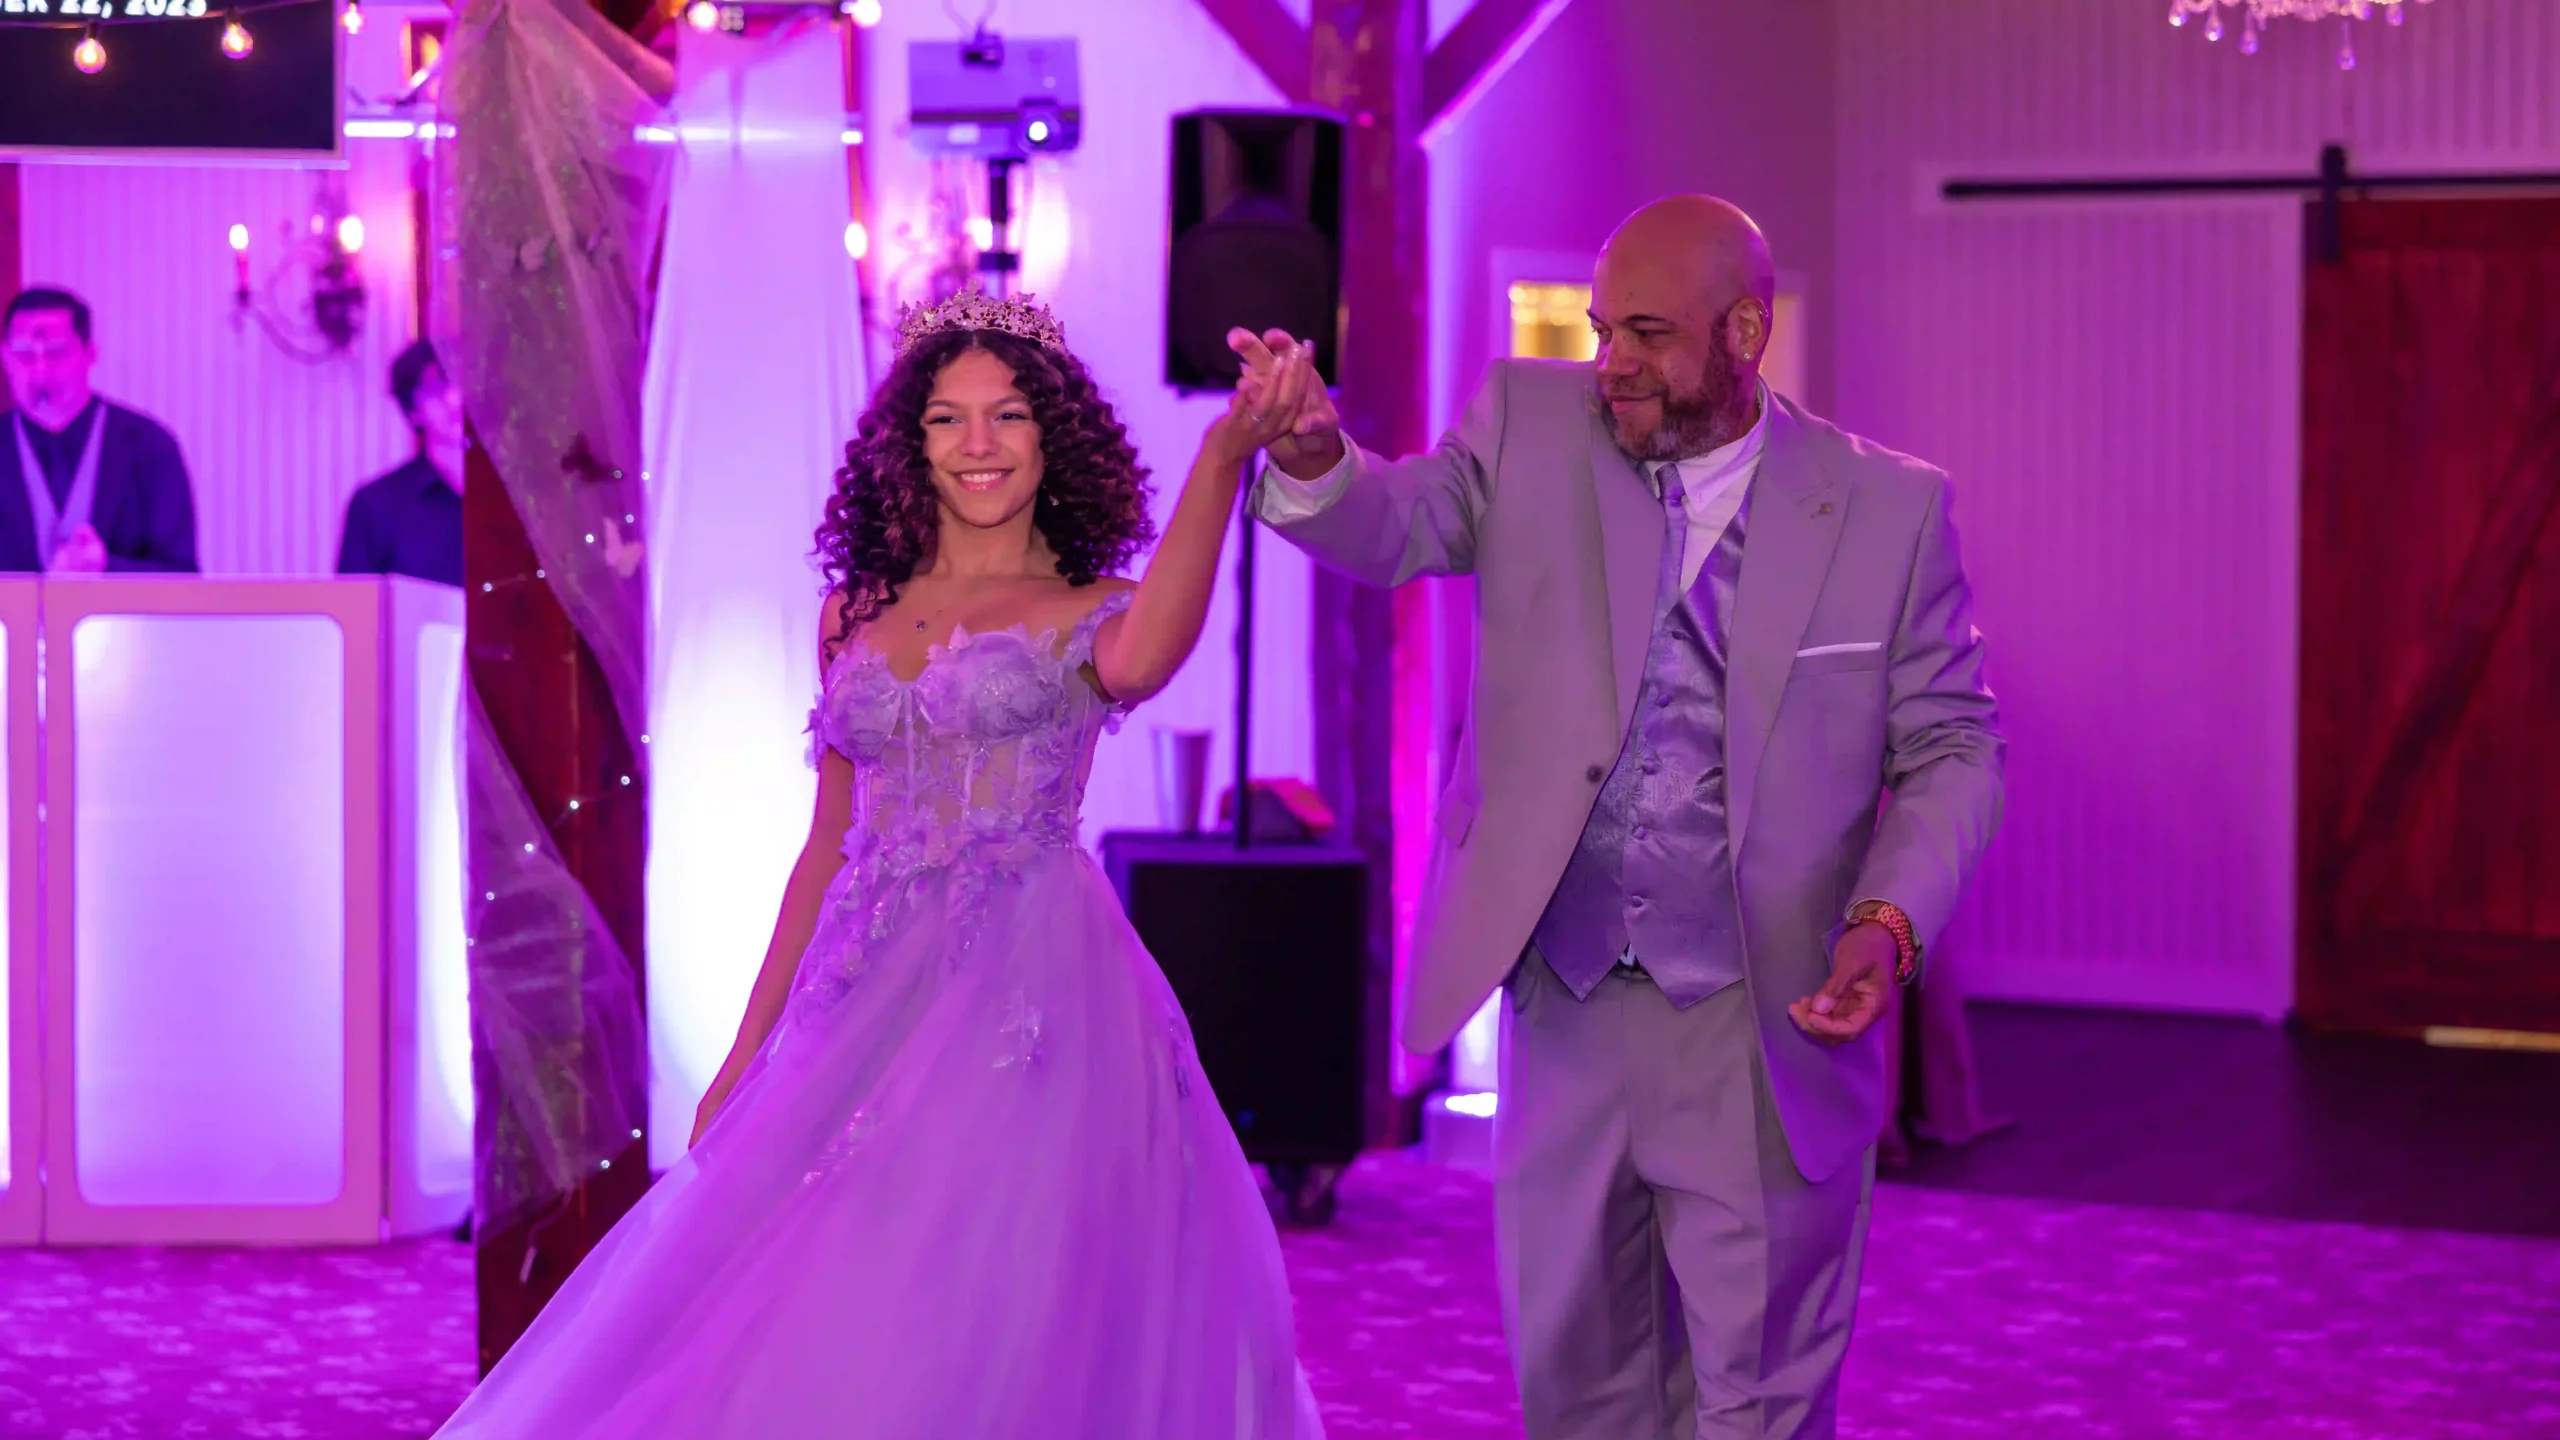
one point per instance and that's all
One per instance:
(236, 1001)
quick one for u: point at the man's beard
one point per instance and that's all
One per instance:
(1694, 421)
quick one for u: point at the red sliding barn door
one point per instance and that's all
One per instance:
(2430, 730)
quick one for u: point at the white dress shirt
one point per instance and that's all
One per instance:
(1714, 486)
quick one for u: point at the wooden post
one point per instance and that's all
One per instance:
(420, 42)
(1366, 62)
(12, 265)
(552, 713)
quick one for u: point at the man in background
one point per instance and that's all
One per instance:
(409, 522)
(86, 485)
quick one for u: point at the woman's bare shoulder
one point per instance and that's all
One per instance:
(1089, 598)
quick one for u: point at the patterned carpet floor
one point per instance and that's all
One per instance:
(1982, 1316)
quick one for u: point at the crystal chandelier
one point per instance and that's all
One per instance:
(2255, 14)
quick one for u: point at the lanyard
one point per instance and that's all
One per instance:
(54, 525)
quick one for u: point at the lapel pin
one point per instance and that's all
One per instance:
(1825, 510)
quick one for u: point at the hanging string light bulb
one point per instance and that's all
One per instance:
(235, 39)
(89, 56)
(352, 18)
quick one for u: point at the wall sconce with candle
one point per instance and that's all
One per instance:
(311, 303)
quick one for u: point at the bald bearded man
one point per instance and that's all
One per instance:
(1730, 761)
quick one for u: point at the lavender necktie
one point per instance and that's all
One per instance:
(1675, 539)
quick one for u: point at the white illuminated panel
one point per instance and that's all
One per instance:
(23, 1090)
(1475, 1057)
(7, 1018)
(1457, 1130)
(209, 912)
(442, 1141)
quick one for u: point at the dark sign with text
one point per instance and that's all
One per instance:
(138, 78)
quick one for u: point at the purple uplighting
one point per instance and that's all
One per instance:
(1983, 1316)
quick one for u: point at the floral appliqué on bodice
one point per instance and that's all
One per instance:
(966, 772)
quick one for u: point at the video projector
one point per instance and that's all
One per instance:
(990, 98)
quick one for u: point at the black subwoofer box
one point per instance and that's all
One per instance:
(1266, 948)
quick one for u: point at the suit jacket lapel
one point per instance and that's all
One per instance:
(113, 467)
(17, 519)
(1794, 526)
(1631, 538)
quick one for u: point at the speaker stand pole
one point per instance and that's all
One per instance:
(996, 261)
(1244, 662)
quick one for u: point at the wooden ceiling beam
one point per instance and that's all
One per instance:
(1271, 38)
(1485, 42)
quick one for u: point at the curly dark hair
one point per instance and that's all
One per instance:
(883, 521)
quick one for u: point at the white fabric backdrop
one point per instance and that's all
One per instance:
(1093, 237)
(755, 381)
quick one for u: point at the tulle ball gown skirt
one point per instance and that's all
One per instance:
(974, 1186)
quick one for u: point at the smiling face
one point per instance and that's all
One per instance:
(1667, 370)
(1680, 306)
(982, 443)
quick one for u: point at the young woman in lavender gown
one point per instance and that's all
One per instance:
(961, 1174)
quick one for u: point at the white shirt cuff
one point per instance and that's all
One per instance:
(1283, 497)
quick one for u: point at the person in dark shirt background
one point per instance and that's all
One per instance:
(409, 522)
(86, 485)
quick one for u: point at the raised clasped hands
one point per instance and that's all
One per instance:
(1268, 401)
(83, 554)
(1280, 380)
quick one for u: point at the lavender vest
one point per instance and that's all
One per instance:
(1653, 872)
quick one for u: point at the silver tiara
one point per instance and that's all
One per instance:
(977, 310)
